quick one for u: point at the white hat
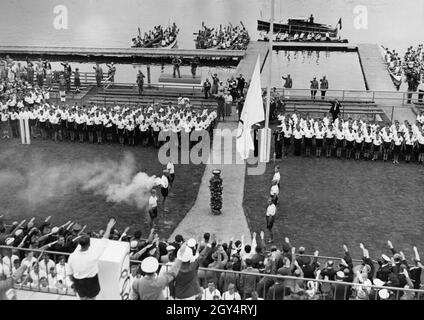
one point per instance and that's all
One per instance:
(186, 256)
(385, 258)
(340, 274)
(191, 243)
(361, 294)
(368, 282)
(149, 265)
(55, 229)
(134, 244)
(377, 282)
(9, 241)
(18, 232)
(384, 294)
(170, 248)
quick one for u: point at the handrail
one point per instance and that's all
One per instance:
(34, 250)
(341, 90)
(309, 279)
(387, 98)
(65, 253)
(62, 253)
(105, 83)
(247, 273)
(161, 84)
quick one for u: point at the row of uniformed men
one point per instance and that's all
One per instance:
(350, 130)
(118, 120)
(358, 135)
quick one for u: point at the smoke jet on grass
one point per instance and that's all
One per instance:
(118, 181)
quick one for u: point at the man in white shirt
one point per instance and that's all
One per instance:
(274, 191)
(211, 292)
(270, 216)
(46, 263)
(277, 176)
(83, 265)
(164, 188)
(62, 271)
(36, 274)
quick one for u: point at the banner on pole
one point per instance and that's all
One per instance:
(253, 112)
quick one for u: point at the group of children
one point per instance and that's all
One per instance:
(229, 37)
(127, 124)
(165, 183)
(272, 202)
(414, 55)
(353, 137)
(167, 36)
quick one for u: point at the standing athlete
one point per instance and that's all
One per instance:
(164, 188)
(270, 216)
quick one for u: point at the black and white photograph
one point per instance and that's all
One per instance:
(211, 150)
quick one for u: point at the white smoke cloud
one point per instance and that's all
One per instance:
(117, 181)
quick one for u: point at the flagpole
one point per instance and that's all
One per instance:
(268, 93)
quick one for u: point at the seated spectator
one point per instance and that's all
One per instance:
(46, 263)
(35, 275)
(211, 292)
(231, 294)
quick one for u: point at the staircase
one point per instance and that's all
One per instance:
(349, 108)
(128, 95)
(87, 79)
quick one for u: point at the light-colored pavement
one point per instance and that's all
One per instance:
(232, 222)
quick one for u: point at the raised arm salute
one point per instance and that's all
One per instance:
(151, 286)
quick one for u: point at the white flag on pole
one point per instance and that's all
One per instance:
(253, 112)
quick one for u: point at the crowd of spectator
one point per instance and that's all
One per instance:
(412, 55)
(227, 38)
(159, 36)
(209, 269)
(410, 67)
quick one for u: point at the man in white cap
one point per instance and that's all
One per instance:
(341, 291)
(385, 268)
(151, 286)
(187, 283)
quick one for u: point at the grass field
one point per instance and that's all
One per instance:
(324, 203)
(84, 206)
